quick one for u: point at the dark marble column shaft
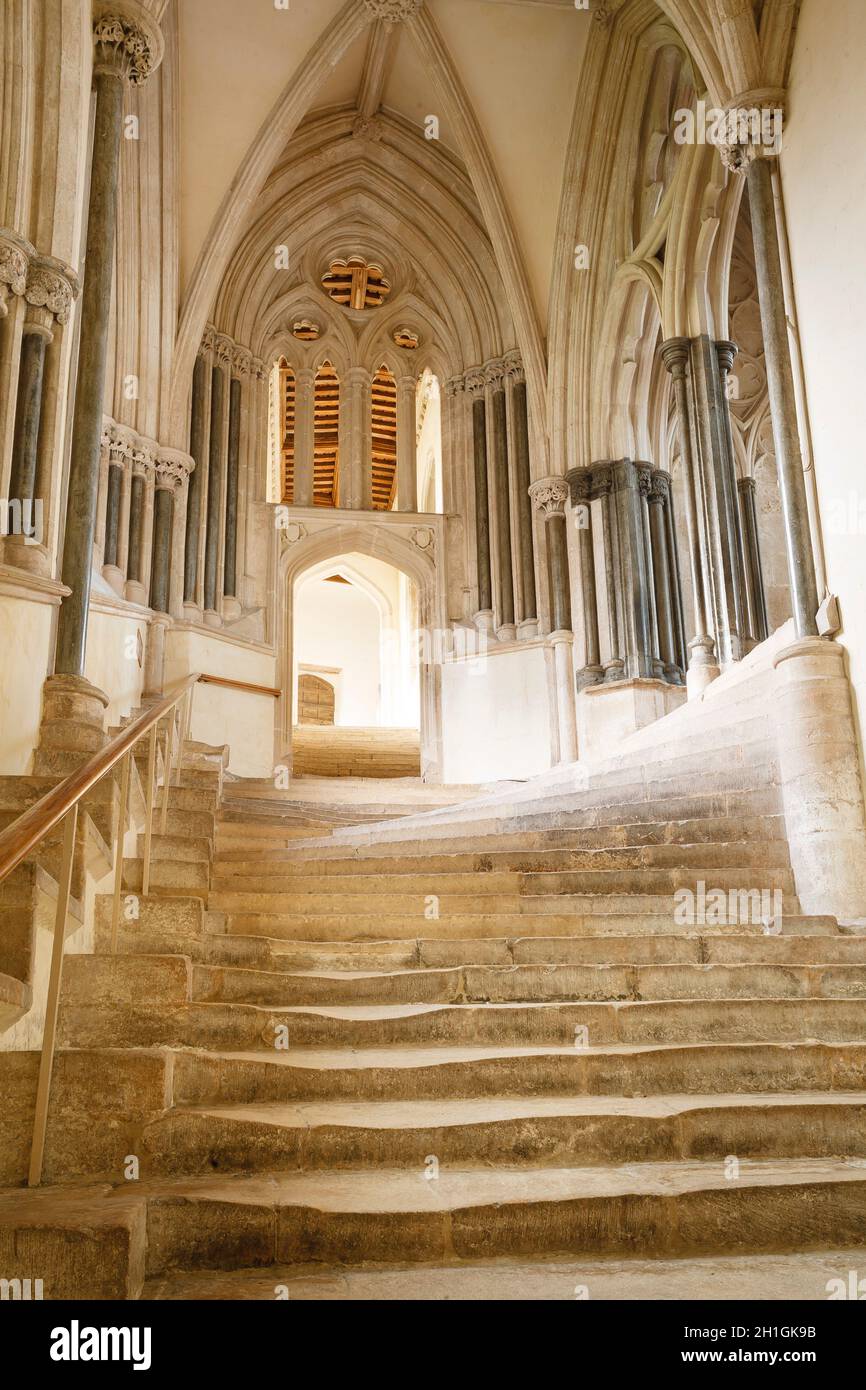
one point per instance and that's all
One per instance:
(482, 504)
(197, 448)
(662, 579)
(522, 480)
(230, 584)
(754, 567)
(163, 519)
(214, 492)
(136, 527)
(28, 414)
(502, 490)
(560, 588)
(90, 386)
(112, 513)
(580, 485)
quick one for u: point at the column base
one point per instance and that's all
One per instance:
(506, 633)
(30, 556)
(589, 675)
(528, 630)
(211, 618)
(135, 592)
(609, 713)
(703, 667)
(819, 765)
(231, 610)
(72, 727)
(483, 620)
(116, 578)
(192, 613)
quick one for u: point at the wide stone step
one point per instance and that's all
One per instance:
(507, 1132)
(563, 950)
(721, 830)
(790, 1278)
(151, 1008)
(662, 1209)
(705, 858)
(450, 1072)
(530, 983)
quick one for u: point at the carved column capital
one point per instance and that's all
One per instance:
(549, 496)
(512, 366)
(172, 469)
(579, 482)
(15, 256)
(224, 349)
(494, 374)
(659, 486)
(53, 286)
(455, 386)
(242, 361)
(207, 346)
(475, 382)
(128, 42)
(750, 128)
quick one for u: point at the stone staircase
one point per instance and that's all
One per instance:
(327, 751)
(467, 1051)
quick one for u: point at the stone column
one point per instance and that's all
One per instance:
(128, 45)
(726, 353)
(36, 335)
(136, 591)
(549, 495)
(305, 436)
(15, 255)
(117, 459)
(475, 386)
(355, 454)
(505, 626)
(528, 625)
(783, 400)
(407, 444)
(759, 619)
(657, 500)
(198, 435)
(171, 471)
(602, 488)
(232, 608)
(212, 597)
(703, 668)
(580, 487)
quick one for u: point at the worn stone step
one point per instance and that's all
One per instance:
(178, 848)
(103, 1007)
(82, 1245)
(626, 950)
(173, 876)
(391, 1073)
(792, 1278)
(663, 1209)
(507, 1132)
(484, 867)
(530, 983)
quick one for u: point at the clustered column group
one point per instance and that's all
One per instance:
(229, 401)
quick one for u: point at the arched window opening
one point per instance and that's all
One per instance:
(384, 412)
(429, 444)
(281, 474)
(327, 437)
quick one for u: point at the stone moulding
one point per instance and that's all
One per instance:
(392, 11)
(128, 42)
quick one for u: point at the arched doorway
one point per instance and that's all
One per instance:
(361, 611)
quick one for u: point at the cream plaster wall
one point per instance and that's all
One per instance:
(25, 639)
(115, 660)
(243, 720)
(496, 715)
(338, 625)
(824, 181)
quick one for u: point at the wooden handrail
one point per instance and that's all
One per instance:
(230, 684)
(17, 841)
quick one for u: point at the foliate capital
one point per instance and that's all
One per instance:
(53, 286)
(172, 469)
(549, 496)
(128, 42)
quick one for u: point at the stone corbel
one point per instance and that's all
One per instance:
(53, 286)
(549, 496)
(737, 149)
(392, 11)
